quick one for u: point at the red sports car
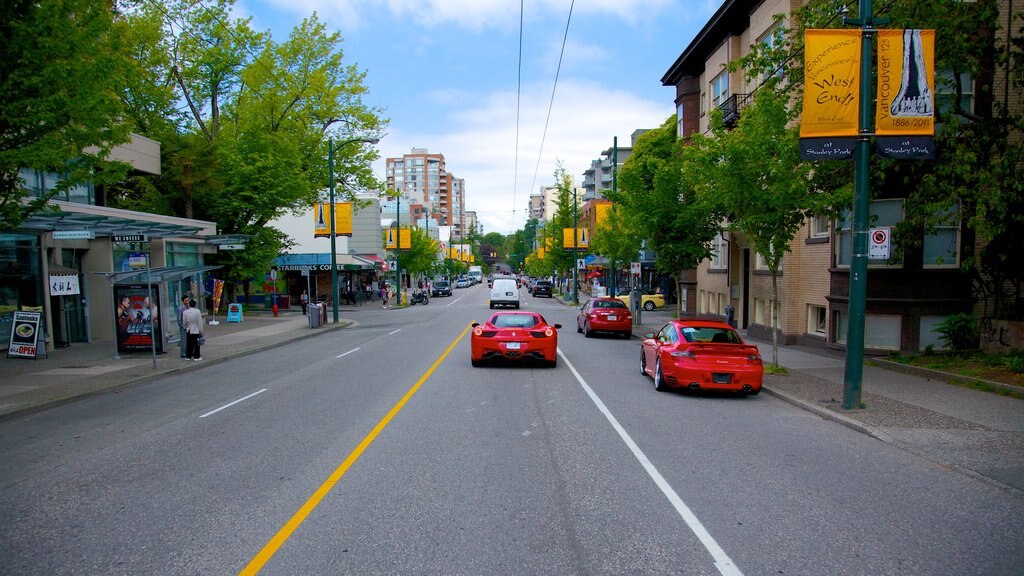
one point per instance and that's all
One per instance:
(604, 315)
(515, 336)
(701, 355)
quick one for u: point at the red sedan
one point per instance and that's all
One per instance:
(515, 336)
(701, 355)
(604, 315)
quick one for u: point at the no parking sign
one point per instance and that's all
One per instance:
(879, 243)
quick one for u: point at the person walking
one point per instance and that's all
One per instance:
(194, 328)
(182, 335)
(304, 300)
(385, 295)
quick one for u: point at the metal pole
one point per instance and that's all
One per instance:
(861, 205)
(152, 320)
(334, 255)
(575, 265)
(614, 285)
(398, 249)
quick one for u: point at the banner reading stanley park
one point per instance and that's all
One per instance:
(829, 124)
(905, 117)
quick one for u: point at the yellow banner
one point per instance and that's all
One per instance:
(404, 236)
(831, 83)
(322, 219)
(601, 214)
(581, 241)
(906, 83)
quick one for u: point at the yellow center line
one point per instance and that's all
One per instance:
(268, 551)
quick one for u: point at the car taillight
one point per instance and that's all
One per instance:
(683, 354)
(754, 359)
(592, 315)
(478, 331)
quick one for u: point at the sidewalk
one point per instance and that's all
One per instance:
(980, 434)
(82, 369)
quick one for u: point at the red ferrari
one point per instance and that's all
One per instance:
(604, 315)
(515, 336)
(701, 355)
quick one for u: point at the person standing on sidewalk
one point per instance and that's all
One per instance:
(194, 328)
(304, 300)
(182, 335)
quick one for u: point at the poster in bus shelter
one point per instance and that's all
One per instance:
(138, 317)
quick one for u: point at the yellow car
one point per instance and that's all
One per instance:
(648, 300)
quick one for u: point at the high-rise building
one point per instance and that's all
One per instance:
(601, 175)
(423, 180)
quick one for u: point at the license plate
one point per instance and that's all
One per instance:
(509, 294)
(721, 378)
(512, 345)
(612, 317)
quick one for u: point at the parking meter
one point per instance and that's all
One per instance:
(635, 301)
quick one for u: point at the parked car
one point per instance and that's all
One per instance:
(649, 300)
(504, 292)
(462, 283)
(542, 288)
(701, 355)
(440, 288)
(604, 315)
(515, 336)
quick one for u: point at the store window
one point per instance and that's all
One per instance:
(880, 332)
(21, 285)
(941, 245)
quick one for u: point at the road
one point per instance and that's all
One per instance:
(379, 450)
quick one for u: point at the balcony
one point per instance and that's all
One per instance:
(733, 107)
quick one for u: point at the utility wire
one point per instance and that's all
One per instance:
(519, 89)
(552, 102)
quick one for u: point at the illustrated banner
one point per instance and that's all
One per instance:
(831, 83)
(906, 83)
(322, 219)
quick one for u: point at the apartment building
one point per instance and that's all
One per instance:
(905, 299)
(602, 172)
(424, 182)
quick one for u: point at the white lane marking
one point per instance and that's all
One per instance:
(233, 403)
(453, 301)
(722, 561)
(394, 332)
(347, 353)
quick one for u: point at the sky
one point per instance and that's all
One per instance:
(447, 75)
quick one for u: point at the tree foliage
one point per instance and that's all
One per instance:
(64, 68)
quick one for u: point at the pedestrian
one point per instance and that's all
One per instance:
(304, 300)
(194, 329)
(384, 295)
(182, 337)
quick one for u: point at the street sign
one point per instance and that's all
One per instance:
(879, 243)
(634, 267)
(581, 264)
(130, 238)
(73, 234)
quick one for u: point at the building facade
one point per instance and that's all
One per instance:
(425, 184)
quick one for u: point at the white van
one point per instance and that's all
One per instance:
(504, 292)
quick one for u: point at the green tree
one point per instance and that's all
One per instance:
(659, 198)
(421, 257)
(64, 68)
(616, 239)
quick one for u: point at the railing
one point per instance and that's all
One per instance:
(732, 108)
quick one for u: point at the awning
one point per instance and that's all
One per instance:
(105, 225)
(595, 274)
(322, 262)
(156, 275)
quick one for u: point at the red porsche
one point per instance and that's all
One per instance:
(515, 336)
(701, 355)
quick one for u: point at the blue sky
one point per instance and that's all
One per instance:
(445, 72)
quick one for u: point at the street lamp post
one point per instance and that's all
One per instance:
(575, 253)
(334, 251)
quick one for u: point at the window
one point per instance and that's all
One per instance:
(940, 247)
(945, 91)
(720, 252)
(761, 263)
(679, 121)
(881, 213)
(759, 311)
(720, 89)
(880, 332)
(816, 318)
(819, 227)
(770, 41)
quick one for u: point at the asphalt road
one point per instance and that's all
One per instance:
(379, 450)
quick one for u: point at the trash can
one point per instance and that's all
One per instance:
(315, 314)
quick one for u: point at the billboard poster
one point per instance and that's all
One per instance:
(138, 318)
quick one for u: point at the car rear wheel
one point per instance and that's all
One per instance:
(492, 305)
(627, 335)
(579, 329)
(643, 362)
(659, 378)
(477, 363)
(587, 332)
(648, 305)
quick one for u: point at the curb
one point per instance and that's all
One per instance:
(947, 377)
(831, 415)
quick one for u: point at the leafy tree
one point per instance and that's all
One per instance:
(615, 239)
(659, 198)
(421, 257)
(64, 67)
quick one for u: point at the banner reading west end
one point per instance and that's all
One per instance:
(829, 123)
(322, 219)
(905, 117)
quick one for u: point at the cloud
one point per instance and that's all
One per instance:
(478, 142)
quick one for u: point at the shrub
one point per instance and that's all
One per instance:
(1016, 364)
(959, 332)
